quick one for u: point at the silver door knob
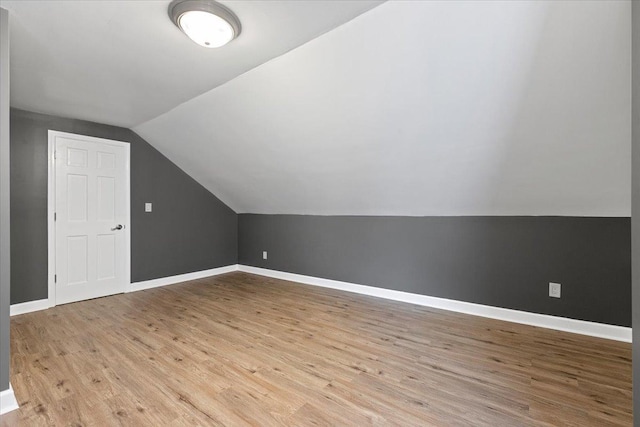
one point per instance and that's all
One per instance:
(117, 227)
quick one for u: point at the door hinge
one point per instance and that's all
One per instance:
(55, 216)
(55, 155)
(55, 278)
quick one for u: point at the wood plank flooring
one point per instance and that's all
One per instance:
(241, 349)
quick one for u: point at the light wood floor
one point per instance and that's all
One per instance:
(241, 349)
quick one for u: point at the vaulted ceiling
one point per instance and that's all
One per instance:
(411, 108)
(124, 62)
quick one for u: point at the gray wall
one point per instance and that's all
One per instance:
(189, 229)
(5, 255)
(635, 209)
(498, 261)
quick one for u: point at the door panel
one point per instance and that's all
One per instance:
(106, 198)
(91, 200)
(106, 256)
(77, 256)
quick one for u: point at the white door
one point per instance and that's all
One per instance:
(91, 217)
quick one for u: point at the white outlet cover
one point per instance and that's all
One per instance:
(148, 207)
(264, 254)
(555, 290)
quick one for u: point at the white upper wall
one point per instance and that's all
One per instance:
(425, 108)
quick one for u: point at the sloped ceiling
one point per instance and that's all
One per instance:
(124, 62)
(411, 108)
(425, 108)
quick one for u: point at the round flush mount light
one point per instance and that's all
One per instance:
(207, 23)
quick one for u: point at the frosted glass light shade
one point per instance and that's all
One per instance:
(206, 29)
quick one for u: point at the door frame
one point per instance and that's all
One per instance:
(51, 206)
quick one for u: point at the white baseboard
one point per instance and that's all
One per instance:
(164, 281)
(600, 330)
(42, 304)
(8, 400)
(28, 307)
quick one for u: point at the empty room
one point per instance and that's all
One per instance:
(319, 213)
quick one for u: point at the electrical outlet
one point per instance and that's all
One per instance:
(264, 254)
(554, 289)
(148, 207)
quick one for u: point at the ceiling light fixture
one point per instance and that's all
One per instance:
(206, 22)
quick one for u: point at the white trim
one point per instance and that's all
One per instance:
(8, 400)
(51, 206)
(51, 229)
(43, 304)
(29, 306)
(127, 230)
(600, 330)
(171, 280)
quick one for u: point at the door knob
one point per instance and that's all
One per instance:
(117, 227)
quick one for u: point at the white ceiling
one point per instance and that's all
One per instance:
(124, 62)
(424, 108)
